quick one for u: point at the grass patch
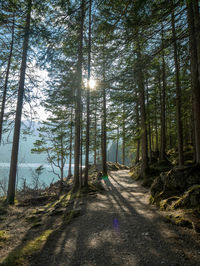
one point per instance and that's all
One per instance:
(63, 200)
(20, 255)
(4, 236)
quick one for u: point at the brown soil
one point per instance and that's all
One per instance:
(116, 227)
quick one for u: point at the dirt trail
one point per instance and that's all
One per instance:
(119, 227)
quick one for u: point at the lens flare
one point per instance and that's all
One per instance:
(92, 83)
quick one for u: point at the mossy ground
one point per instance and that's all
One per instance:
(178, 211)
(22, 221)
(179, 220)
(3, 236)
(154, 170)
(20, 255)
(31, 225)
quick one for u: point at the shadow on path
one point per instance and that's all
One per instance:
(118, 228)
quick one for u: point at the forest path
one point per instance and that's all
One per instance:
(118, 227)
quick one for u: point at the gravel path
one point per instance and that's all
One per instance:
(119, 227)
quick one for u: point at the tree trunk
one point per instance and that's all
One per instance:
(88, 100)
(104, 117)
(178, 95)
(104, 137)
(156, 124)
(145, 166)
(137, 158)
(81, 154)
(16, 136)
(149, 126)
(78, 101)
(152, 141)
(6, 79)
(95, 136)
(194, 76)
(193, 135)
(123, 136)
(70, 145)
(98, 154)
(171, 142)
(117, 146)
(197, 32)
(163, 105)
(62, 161)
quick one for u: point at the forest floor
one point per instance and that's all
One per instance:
(115, 227)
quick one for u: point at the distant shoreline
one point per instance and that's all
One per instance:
(32, 165)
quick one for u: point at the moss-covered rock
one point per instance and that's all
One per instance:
(154, 170)
(188, 153)
(157, 188)
(190, 199)
(167, 203)
(135, 171)
(185, 219)
(112, 166)
(122, 166)
(178, 220)
(175, 182)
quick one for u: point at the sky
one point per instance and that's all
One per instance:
(42, 78)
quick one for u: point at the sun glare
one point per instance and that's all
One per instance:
(92, 83)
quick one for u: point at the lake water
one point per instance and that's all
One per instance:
(26, 171)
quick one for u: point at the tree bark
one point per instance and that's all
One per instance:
(70, 145)
(149, 125)
(104, 135)
(78, 101)
(123, 136)
(81, 153)
(145, 166)
(6, 79)
(156, 124)
(163, 105)
(194, 75)
(16, 136)
(104, 117)
(197, 32)
(137, 158)
(178, 95)
(117, 146)
(95, 136)
(62, 160)
(88, 100)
